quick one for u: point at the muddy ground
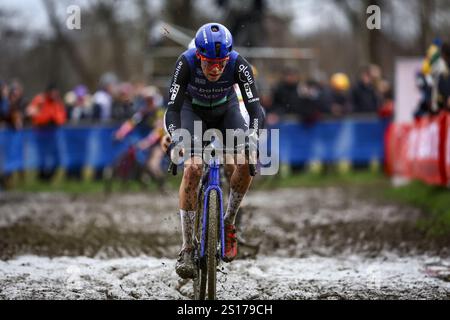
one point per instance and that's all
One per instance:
(314, 243)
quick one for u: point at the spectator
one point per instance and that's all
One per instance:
(4, 102)
(424, 84)
(444, 79)
(47, 109)
(364, 96)
(17, 104)
(386, 110)
(286, 97)
(103, 98)
(339, 95)
(311, 102)
(123, 105)
(78, 103)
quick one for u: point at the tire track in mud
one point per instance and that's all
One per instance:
(316, 243)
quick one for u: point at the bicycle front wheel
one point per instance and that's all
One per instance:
(200, 280)
(211, 260)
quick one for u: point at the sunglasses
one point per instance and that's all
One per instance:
(212, 63)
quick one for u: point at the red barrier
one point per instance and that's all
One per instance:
(430, 156)
(396, 152)
(388, 149)
(446, 148)
(420, 150)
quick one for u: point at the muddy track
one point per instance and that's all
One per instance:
(315, 243)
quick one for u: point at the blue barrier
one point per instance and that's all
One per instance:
(358, 141)
(75, 147)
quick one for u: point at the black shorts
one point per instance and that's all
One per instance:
(222, 117)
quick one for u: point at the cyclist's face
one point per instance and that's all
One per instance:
(213, 68)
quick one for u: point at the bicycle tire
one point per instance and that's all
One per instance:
(211, 261)
(201, 279)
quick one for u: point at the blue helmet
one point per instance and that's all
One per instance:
(214, 41)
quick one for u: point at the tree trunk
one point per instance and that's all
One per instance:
(426, 12)
(74, 55)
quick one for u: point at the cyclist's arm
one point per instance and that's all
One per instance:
(178, 85)
(129, 125)
(246, 81)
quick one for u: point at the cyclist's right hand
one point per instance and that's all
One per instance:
(165, 143)
(171, 149)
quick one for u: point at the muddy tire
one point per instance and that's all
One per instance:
(211, 259)
(200, 281)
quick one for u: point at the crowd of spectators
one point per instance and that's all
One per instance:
(310, 100)
(307, 101)
(112, 102)
(293, 97)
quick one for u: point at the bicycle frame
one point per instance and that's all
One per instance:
(213, 184)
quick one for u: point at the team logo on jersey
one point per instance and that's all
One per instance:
(200, 81)
(174, 91)
(248, 90)
(243, 71)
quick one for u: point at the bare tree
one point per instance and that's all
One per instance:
(106, 11)
(369, 41)
(180, 13)
(71, 49)
(426, 15)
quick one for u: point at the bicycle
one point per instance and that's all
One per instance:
(209, 228)
(125, 169)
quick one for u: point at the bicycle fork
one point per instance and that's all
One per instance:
(213, 184)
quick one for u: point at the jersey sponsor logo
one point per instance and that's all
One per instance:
(177, 71)
(248, 90)
(171, 128)
(255, 124)
(200, 81)
(175, 87)
(245, 72)
(174, 91)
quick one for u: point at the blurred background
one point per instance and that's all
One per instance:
(325, 79)
(359, 207)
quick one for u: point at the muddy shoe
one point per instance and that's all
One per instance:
(230, 243)
(185, 267)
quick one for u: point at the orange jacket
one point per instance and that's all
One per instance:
(44, 111)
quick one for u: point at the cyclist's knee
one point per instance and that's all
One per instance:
(243, 169)
(193, 171)
(229, 170)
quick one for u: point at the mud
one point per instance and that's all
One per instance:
(314, 243)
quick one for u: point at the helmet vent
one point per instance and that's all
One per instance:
(217, 49)
(214, 28)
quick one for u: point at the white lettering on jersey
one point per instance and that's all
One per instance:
(175, 87)
(243, 70)
(248, 90)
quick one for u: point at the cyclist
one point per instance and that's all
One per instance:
(151, 115)
(202, 90)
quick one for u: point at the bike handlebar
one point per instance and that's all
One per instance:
(252, 167)
(172, 168)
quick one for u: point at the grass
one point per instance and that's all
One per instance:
(431, 199)
(356, 178)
